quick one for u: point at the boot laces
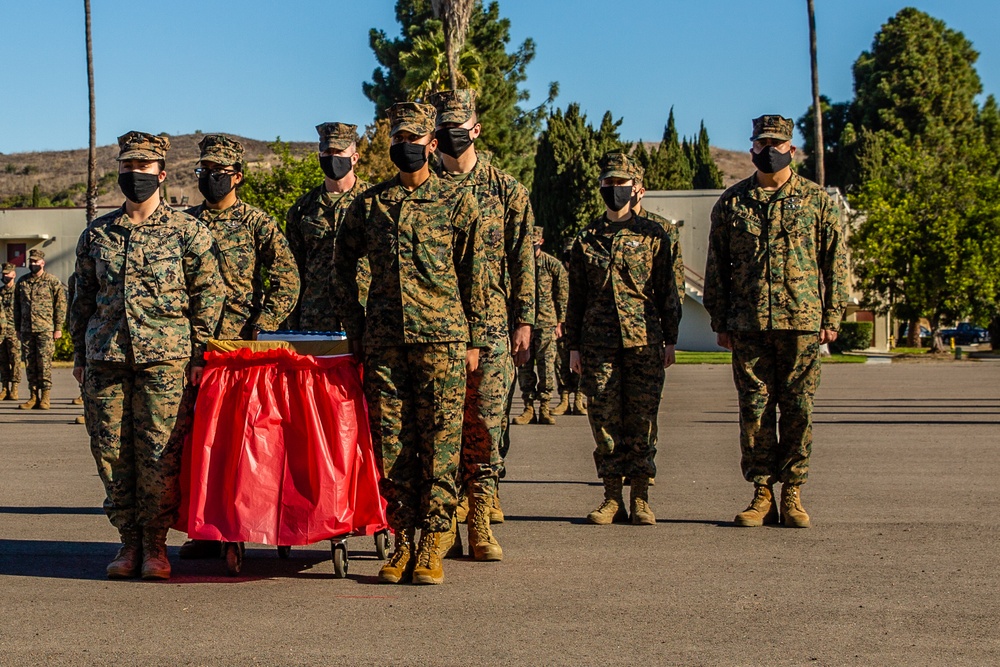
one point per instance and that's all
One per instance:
(425, 551)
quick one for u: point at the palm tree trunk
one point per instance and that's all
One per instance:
(92, 152)
(455, 16)
(817, 109)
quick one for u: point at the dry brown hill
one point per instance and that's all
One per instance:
(62, 175)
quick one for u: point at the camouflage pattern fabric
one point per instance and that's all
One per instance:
(623, 389)
(136, 145)
(138, 417)
(413, 117)
(776, 370)
(37, 350)
(622, 291)
(551, 291)
(772, 126)
(220, 149)
(175, 293)
(505, 227)
(336, 136)
(311, 228)
(248, 246)
(776, 260)
(454, 106)
(675, 248)
(566, 379)
(10, 345)
(428, 280)
(615, 164)
(415, 396)
(535, 378)
(39, 304)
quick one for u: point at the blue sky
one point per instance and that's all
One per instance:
(262, 69)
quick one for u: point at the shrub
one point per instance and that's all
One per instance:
(853, 336)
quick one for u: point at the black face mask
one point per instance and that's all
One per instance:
(408, 157)
(453, 141)
(215, 188)
(34, 268)
(335, 167)
(137, 186)
(7, 280)
(771, 160)
(616, 196)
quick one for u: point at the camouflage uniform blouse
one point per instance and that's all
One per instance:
(145, 292)
(506, 223)
(621, 286)
(776, 260)
(428, 281)
(249, 245)
(675, 248)
(311, 229)
(552, 291)
(7, 309)
(39, 304)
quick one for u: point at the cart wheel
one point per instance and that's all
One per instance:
(382, 544)
(340, 559)
(284, 552)
(234, 557)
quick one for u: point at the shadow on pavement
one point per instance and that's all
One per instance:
(51, 510)
(505, 482)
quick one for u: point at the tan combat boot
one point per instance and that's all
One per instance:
(482, 544)
(642, 513)
(451, 541)
(462, 509)
(6, 392)
(77, 401)
(13, 391)
(44, 403)
(544, 413)
(496, 512)
(563, 404)
(761, 510)
(429, 568)
(399, 567)
(31, 402)
(613, 507)
(81, 420)
(792, 514)
(154, 554)
(578, 406)
(525, 417)
(126, 563)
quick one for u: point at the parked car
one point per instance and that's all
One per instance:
(925, 334)
(965, 333)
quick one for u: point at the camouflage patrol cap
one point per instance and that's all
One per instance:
(637, 172)
(142, 146)
(7, 267)
(615, 164)
(413, 117)
(221, 149)
(454, 106)
(35, 253)
(537, 234)
(772, 126)
(336, 136)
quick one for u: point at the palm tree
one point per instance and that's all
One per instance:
(817, 108)
(427, 68)
(92, 153)
(455, 15)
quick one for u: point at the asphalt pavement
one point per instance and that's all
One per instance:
(900, 568)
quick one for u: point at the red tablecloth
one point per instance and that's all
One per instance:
(280, 452)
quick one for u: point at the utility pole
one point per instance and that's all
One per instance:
(92, 153)
(817, 110)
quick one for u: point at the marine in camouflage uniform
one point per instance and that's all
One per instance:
(536, 377)
(311, 228)
(775, 287)
(10, 345)
(567, 380)
(427, 302)
(638, 174)
(248, 246)
(149, 297)
(505, 227)
(621, 326)
(39, 313)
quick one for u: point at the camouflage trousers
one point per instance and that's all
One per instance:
(776, 371)
(536, 376)
(485, 421)
(566, 379)
(623, 389)
(36, 351)
(10, 360)
(415, 396)
(138, 417)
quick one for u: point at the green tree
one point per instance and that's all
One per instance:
(374, 164)
(427, 68)
(509, 131)
(276, 189)
(669, 168)
(706, 173)
(565, 195)
(835, 123)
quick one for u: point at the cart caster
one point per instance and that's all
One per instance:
(234, 557)
(284, 552)
(340, 560)
(382, 544)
